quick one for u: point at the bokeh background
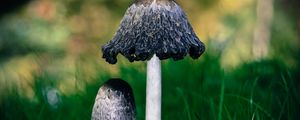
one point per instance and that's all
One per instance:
(51, 65)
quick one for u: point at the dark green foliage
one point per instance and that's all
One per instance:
(8, 6)
(191, 90)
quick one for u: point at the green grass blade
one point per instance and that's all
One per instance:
(221, 100)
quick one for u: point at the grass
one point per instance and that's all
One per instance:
(192, 90)
(221, 100)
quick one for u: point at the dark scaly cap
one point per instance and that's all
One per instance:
(153, 27)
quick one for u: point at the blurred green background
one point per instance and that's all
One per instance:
(51, 65)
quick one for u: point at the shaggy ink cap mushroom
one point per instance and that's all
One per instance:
(114, 101)
(153, 27)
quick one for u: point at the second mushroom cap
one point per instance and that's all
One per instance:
(153, 27)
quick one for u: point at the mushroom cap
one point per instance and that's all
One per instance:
(159, 27)
(114, 101)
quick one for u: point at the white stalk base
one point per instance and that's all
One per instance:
(153, 99)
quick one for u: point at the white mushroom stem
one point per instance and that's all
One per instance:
(153, 99)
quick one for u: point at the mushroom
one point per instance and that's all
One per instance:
(153, 30)
(114, 101)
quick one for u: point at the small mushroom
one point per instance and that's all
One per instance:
(114, 101)
(153, 30)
